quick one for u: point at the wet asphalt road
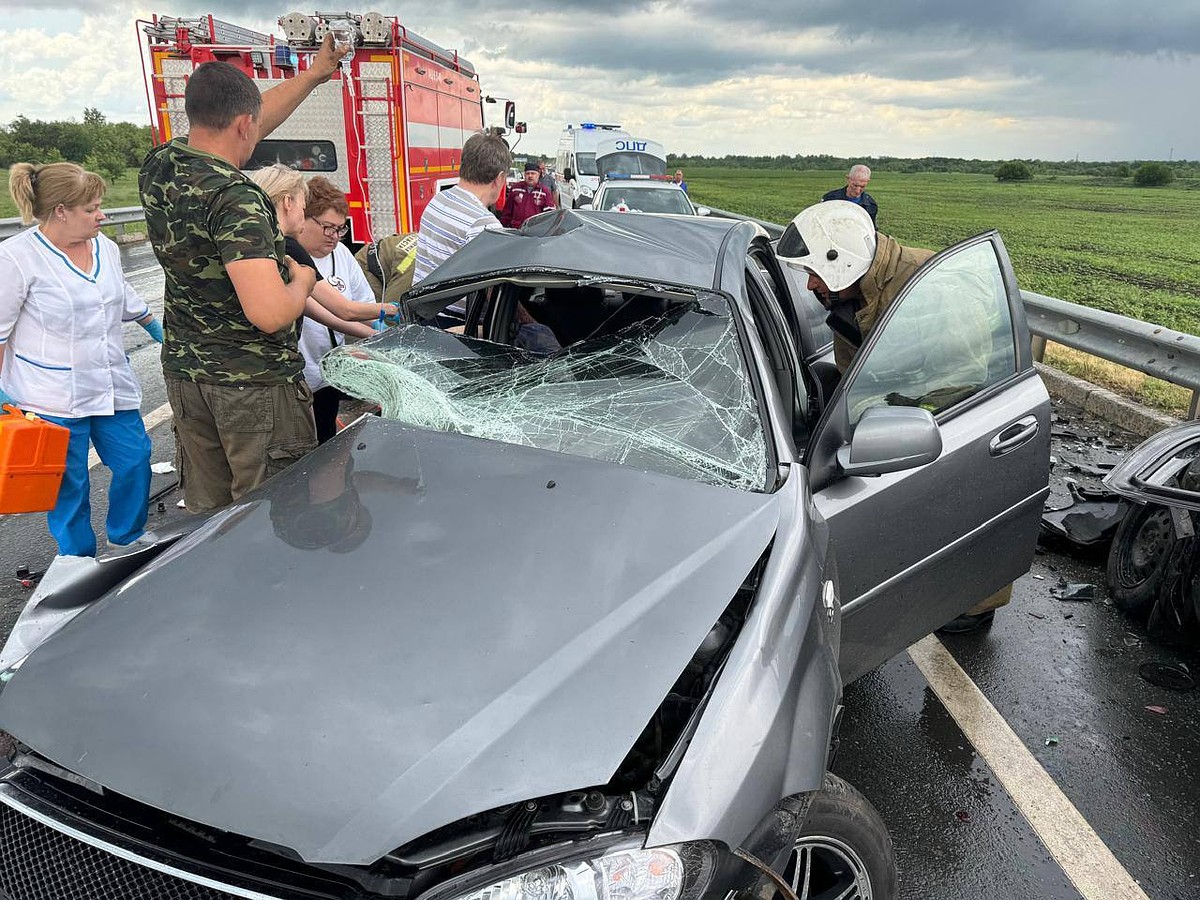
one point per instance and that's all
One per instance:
(1064, 675)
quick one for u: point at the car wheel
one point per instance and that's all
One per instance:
(1139, 557)
(843, 850)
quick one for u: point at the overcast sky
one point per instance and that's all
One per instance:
(1024, 78)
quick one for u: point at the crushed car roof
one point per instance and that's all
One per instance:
(680, 250)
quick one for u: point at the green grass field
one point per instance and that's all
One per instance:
(1128, 250)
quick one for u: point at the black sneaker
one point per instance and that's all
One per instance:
(967, 622)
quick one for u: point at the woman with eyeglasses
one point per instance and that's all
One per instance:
(339, 304)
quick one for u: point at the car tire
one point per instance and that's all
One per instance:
(1139, 558)
(843, 847)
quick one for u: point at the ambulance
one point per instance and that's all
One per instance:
(576, 159)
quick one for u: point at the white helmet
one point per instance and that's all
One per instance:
(835, 240)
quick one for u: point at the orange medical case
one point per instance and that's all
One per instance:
(33, 457)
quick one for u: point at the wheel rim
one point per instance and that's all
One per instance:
(825, 868)
(1145, 551)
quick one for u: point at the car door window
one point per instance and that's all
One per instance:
(782, 351)
(949, 337)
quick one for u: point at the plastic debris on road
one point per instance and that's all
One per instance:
(1084, 593)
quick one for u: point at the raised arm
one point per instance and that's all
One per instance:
(281, 101)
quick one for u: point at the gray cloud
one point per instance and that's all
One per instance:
(1090, 67)
(1107, 25)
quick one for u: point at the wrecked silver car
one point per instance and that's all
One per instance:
(570, 620)
(1154, 561)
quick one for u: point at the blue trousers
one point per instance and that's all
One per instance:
(123, 446)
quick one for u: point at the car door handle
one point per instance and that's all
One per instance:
(1014, 436)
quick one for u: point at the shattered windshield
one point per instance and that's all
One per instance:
(668, 394)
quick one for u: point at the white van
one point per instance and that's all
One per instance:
(576, 160)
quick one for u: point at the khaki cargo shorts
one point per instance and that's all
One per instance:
(229, 439)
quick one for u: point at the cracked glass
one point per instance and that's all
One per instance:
(668, 394)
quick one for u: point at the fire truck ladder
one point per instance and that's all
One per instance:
(374, 109)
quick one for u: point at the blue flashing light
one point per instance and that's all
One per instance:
(587, 125)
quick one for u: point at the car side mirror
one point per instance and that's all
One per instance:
(891, 439)
(521, 128)
(703, 211)
(510, 115)
(567, 174)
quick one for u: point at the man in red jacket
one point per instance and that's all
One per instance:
(526, 199)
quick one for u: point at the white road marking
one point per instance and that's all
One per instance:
(142, 271)
(152, 420)
(1077, 849)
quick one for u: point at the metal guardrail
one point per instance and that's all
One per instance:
(1152, 349)
(125, 215)
(1143, 346)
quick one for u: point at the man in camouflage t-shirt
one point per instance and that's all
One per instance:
(233, 370)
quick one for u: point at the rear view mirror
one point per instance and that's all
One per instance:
(567, 174)
(510, 115)
(703, 211)
(520, 128)
(891, 439)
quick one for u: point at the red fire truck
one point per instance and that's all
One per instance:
(388, 128)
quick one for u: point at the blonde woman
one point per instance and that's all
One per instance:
(289, 192)
(63, 299)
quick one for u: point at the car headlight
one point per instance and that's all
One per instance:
(625, 875)
(585, 191)
(663, 873)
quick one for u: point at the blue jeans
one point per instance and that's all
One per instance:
(123, 446)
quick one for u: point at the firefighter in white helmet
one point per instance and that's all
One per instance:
(855, 271)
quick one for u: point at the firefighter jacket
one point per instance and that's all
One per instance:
(524, 201)
(389, 264)
(890, 271)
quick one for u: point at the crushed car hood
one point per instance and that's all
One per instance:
(404, 629)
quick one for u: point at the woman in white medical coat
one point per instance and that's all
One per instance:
(63, 299)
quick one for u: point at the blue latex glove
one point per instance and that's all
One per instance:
(154, 329)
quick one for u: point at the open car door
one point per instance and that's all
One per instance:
(918, 542)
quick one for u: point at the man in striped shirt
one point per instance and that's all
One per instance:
(458, 214)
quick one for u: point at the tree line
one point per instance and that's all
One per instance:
(1036, 167)
(107, 148)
